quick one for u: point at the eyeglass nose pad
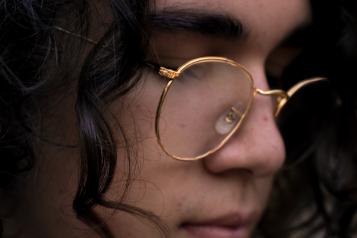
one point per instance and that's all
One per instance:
(228, 120)
(281, 101)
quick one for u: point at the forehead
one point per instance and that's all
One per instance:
(265, 20)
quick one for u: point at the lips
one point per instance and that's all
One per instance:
(231, 226)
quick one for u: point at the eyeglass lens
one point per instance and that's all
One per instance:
(203, 107)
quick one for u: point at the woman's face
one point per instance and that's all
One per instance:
(220, 196)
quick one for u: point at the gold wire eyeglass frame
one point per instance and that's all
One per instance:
(171, 75)
(281, 97)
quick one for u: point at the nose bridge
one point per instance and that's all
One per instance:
(257, 145)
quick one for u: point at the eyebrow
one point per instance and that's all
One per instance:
(192, 20)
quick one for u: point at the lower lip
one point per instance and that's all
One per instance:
(210, 231)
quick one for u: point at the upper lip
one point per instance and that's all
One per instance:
(229, 220)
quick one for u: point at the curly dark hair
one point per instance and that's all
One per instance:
(36, 61)
(29, 42)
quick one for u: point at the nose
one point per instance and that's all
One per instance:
(257, 146)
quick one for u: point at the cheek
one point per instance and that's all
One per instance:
(264, 186)
(138, 152)
(134, 114)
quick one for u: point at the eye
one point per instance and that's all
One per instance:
(278, 61)
(284, 55)
(199, 71)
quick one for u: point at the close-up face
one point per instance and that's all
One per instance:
(222, 195)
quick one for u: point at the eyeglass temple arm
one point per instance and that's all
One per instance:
(61, 29)
(296, 88)
(150, 65)
(304, 83)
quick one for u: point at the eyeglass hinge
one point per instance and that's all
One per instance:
(168, 73)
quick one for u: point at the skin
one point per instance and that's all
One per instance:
(235, 181)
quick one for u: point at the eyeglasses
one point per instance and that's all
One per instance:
(205, 102)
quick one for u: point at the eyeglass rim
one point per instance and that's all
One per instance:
(174, 74)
